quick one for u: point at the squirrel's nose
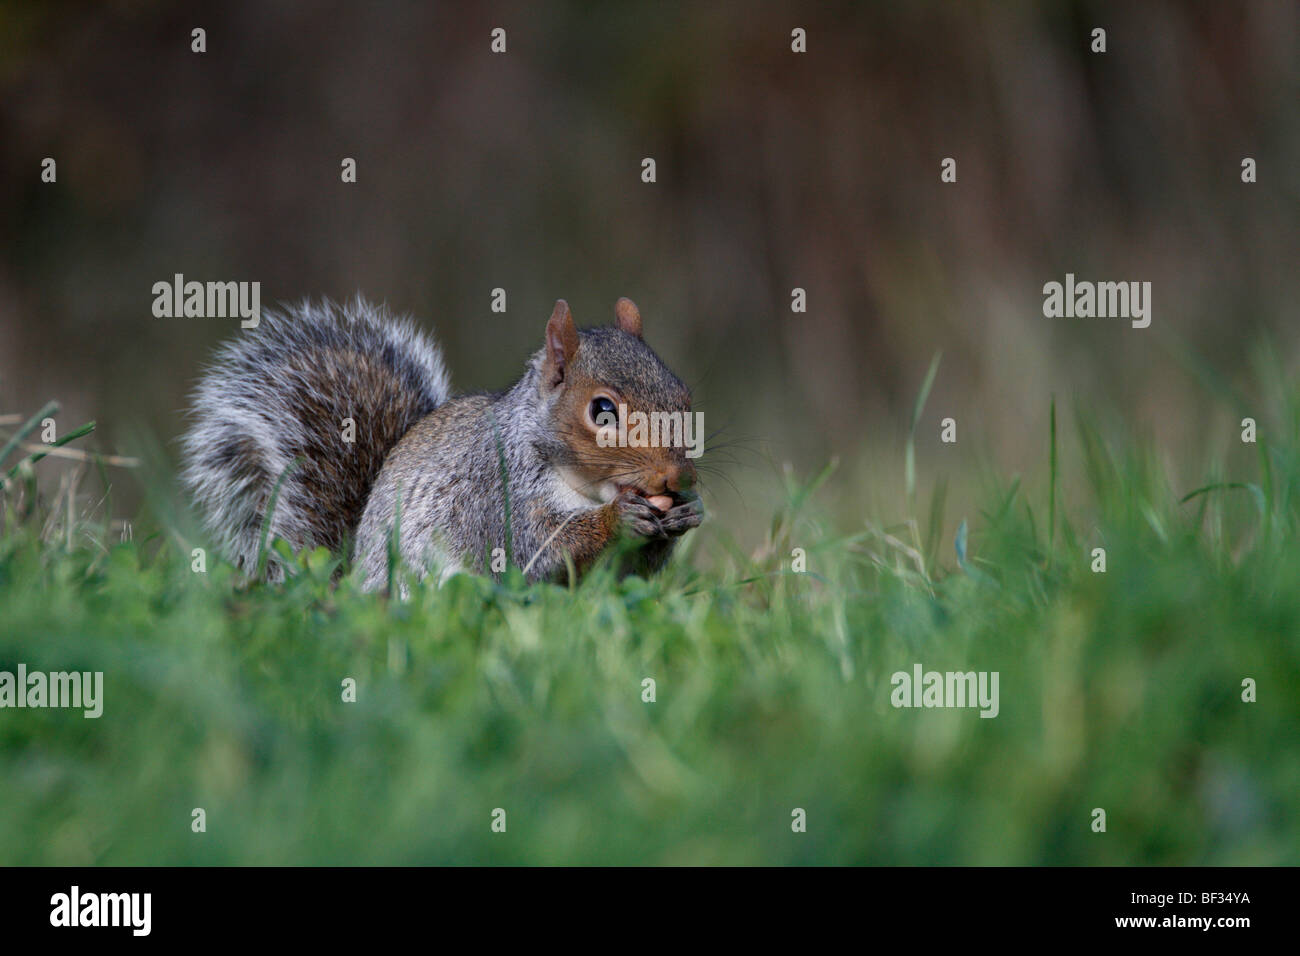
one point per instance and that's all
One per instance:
(680, 477)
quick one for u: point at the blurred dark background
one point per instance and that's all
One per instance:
(775, 170)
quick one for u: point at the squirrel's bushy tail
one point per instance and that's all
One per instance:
(287, 390)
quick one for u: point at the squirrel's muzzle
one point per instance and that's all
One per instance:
(679, 477)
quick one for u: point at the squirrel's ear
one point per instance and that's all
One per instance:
(561, 343)
(629, 317)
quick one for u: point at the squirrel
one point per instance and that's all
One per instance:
(339, 419)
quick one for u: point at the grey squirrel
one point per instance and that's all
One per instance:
(425, 469)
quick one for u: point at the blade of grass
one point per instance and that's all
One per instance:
(909, 467)
(394, 544)
(938, 504)
(270, 512)
(72, 436)
(27, 428)
(1051, 492)
(1256, 491)
(505, 488)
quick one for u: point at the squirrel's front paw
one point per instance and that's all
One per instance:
(644, 520)
(686, 514)
(639, 517)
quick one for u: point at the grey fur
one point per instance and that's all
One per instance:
(454, 515)
(280, 392)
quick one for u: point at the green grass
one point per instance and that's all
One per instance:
(1119, 690)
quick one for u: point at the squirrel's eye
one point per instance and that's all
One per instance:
(602, 406)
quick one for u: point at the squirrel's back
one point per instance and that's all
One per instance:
(296, 388)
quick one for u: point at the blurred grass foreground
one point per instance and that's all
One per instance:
(486, 701)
